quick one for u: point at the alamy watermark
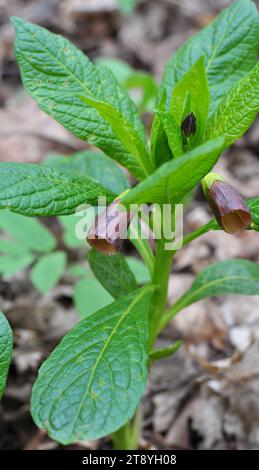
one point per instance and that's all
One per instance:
(137, 221)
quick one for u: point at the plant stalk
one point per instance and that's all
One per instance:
(127, 437)
(162, 268)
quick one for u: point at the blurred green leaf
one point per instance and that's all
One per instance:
(90, 296)
(77, 270)
(145, 82)
(139, 270)
(121, 69)
(47, 271)
(12, 264)
(68, 223)
(127, 6)
(28, 231)
(8, 247)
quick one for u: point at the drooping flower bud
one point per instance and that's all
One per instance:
(109, 229)
(188, 126)
(227, 204)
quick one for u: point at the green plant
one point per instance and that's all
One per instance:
(127, 6)
(27, 243)
(92, 383)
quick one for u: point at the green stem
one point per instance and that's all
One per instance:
(211, 225)
(165, 352)
(144, 249)
(127, 437)
(170, 313)
(162, 268)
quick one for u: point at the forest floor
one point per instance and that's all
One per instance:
(207, 395)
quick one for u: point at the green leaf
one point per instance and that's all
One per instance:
(112, 272)
(133, 79)
(237, 110)
(120, 69)
(230, 46)
(47, 271)
(76, 270)
(12, 264)
(160, 149)
(55, 73)
(127, 6)
(90, 296)
(8, 247)
(253, 205)
(226, 277)
(6, 349)
(146, 83)
(36, 190)
(174, 179)
(101, 373)
(94, 164)
(124, 131)
(195, 83)
(29, 232)
(68, 223)
(139, 269)
(173, 133)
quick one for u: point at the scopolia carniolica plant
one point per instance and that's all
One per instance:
(91, 385)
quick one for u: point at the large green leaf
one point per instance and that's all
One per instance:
(113, 273)
(226, 277)
(36, 190)
(92, 383)
(47, 271)
(29, 232)
(6, 349)
(195, 84)
(237, 110)
(94, 164)
(90, 296)
(174, 179)
(229, 44)
(55, 73)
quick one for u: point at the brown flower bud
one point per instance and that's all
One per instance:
(227, 204)
(188, 126)
(110, 229)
